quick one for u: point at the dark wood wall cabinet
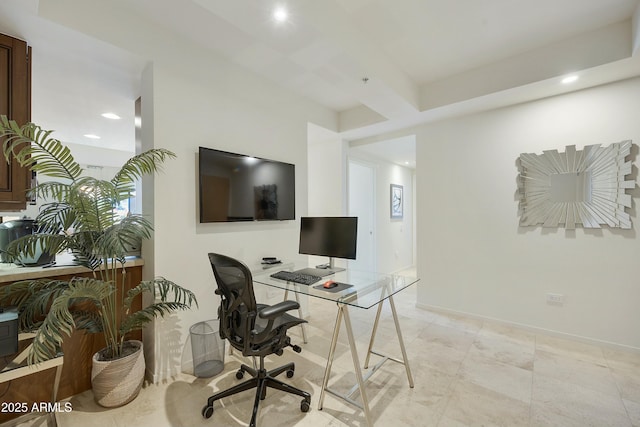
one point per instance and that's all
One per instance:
(15, 103)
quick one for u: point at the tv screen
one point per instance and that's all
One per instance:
(333, 236)
(235, 187)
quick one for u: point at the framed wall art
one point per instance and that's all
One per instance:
(397, 201)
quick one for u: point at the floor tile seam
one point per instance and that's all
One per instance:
(448, 402)
(573, 416)
(618, 388)
(627, 411)
(483, 339)
(622, 371)
(454, 378)
(501, 363)
(526, 401)
(568, 353)
(533, 373)
(617, 395)
(511, 341)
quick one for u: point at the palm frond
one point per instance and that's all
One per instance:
(51, 190)
(94, 202)
(32, 299)
(144, 163)
(56, 218)
(32, 243)
(33, 147)
(162, 290)
(59, 322)
(89, 321)
(82, 251)
(130, 231)
(142, 317)
(15, 293)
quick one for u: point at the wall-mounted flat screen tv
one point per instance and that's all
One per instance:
(236, 187)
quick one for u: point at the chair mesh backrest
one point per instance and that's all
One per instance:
(238, 303)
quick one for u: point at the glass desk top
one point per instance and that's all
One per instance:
(361, 289)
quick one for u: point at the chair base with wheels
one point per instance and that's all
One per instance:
(261, 380)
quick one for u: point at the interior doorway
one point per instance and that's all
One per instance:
(361, 196)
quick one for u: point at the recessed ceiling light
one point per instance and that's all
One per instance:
(111, 116)
(280, 14)
(91, 136)
(570, 79)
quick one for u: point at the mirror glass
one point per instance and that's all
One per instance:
(578, 187)
(570, 187)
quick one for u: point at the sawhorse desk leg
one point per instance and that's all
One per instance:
(343, 314)
(370, 351)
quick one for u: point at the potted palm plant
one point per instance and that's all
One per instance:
(79, 216)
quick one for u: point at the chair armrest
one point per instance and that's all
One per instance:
(277, 309)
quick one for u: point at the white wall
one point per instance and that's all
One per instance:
(215, 110)
(472, 255)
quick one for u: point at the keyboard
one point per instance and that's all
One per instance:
(292, 276)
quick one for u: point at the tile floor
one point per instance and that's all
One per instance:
(467, 372)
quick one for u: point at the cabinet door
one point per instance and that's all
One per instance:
(15, 102)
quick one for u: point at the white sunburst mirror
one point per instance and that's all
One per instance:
(586, 187)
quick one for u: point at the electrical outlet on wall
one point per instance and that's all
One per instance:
(555, 299)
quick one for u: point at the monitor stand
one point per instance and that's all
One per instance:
(333, 267)
(322, 270)
(330, 266)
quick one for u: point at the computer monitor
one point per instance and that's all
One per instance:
(334, 237)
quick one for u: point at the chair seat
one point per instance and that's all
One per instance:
(283, 320)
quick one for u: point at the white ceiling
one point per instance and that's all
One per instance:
(423, 59)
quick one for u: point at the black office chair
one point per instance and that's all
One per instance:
(253, 329)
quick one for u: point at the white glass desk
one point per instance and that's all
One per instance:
(367, 290)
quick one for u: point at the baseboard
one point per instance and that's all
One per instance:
(152, 377)
(551, 332)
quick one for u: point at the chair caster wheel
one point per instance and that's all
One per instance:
(207, 411)
(290, 373)
(304, 406)
(240, 374)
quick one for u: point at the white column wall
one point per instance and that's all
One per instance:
(326, 175)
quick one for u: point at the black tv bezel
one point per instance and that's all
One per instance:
(240, 155)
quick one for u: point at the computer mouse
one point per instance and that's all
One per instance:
(330, 284)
